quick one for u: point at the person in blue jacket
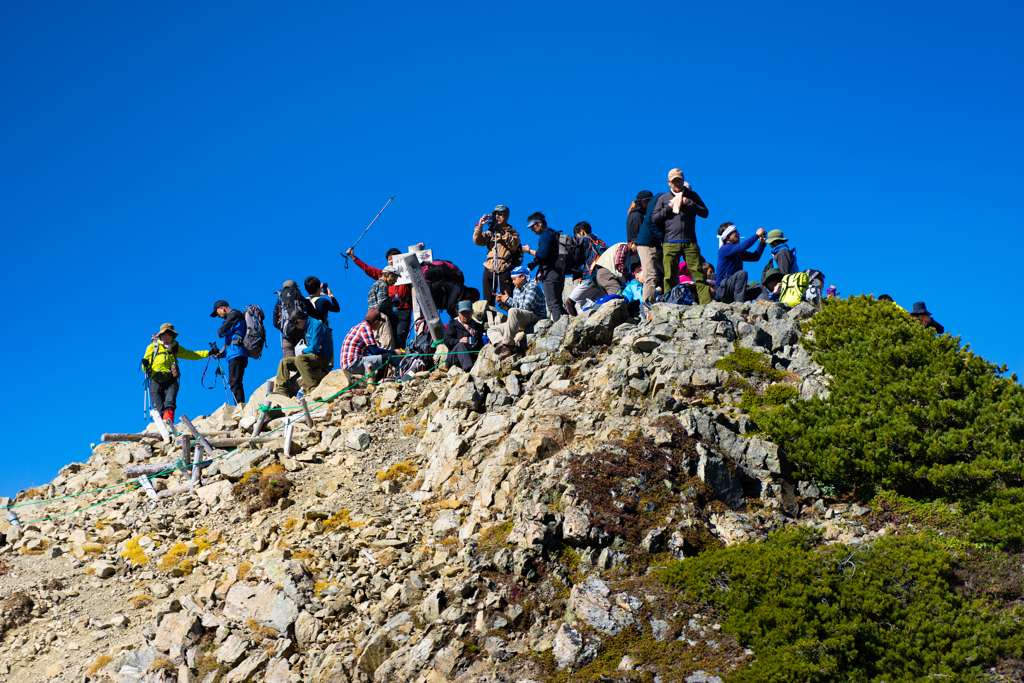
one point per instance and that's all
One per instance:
(315, 360)
(648, 246)
(731, 284)
(232, 332)
(550, 265)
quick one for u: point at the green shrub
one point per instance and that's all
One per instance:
(882, 613)
(748, 363)
(908, 410)
(1000, 522)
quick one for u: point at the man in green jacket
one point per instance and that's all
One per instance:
(160, 362)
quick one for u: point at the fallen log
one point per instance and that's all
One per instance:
(180, 489)
(109, 438)
(133, 471)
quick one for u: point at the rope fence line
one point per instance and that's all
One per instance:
(318, 403)
(135, 485)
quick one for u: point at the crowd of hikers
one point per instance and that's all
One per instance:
(658, 261)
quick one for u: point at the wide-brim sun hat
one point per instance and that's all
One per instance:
(167, 327)
(776, 237)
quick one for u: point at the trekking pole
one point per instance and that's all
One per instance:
(345, 254)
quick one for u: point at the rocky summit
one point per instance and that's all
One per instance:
(502, 525)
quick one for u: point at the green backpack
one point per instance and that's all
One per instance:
(794, 286)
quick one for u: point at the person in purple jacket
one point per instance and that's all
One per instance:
(731, 284)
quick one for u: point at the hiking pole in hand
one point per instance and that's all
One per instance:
(345, 254)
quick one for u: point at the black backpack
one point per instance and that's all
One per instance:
(443, 271)
(291, 300)
(572, 253)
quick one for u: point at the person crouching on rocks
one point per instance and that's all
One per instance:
(160, 361)
(525, 307)
(463, 336)
(315, 360)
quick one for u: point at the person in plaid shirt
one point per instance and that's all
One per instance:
(525, 307)
(359, 351)
(378, 299)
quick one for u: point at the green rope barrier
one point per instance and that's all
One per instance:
(166, 471)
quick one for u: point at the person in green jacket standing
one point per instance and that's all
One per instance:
(160, 362)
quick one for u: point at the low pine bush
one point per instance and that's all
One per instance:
(812, 613)
(908, 411)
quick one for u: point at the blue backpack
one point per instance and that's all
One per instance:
(681, 295)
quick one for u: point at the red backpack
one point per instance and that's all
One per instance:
(442, 271)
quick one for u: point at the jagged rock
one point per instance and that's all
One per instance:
(232, 651)
(357, 439)
(712, 469)
(701, 677)
(567, 646)
(433, 605)
(218, 491)
(575, 527)
(267, 606)
(102, 569)
(654, 540)
(247, 669)
(306, 630)
(528, 534)
(331, 669)
(235, 465)
(177, 633)
(278, 671)
(590, 602)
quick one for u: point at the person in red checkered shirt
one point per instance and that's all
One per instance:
(359, 351)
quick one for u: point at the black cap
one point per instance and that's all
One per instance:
(220, 302)
(644, 194)
(297, 315)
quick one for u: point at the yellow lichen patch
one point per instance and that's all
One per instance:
(339, 519)
(139, 601)
(409, 430)
(400, 470)
(37, 551)
(289, 523)
(174, 555)
(320, 586)
(134, 553)
(98, 664)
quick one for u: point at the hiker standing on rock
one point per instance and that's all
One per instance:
(160, 361)
(401, 296)
(676, 213)
(289, 300)
(463, 336)
(232, 332)
(550, 264)
(315, 360)
(525, 307)
(649, 248)
(504, 251)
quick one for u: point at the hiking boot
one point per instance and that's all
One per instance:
(168, 417)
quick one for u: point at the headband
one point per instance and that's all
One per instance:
(728, 231)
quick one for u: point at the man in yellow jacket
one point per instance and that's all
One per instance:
(161, 365)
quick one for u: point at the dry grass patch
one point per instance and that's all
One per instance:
(139, 601)
(98, 664)
(401, 470)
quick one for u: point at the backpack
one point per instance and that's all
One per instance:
(603, 300)
(572, 253)
(443, 271)
(255, 339)
(681, 295)
(794, 286)
(291, 300)
(772, 263)
(594, 247)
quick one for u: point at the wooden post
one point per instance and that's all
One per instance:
(186, 453)
(109, 438)
(184, 488)
(288, 430)
(160, 425)
(423, 296)
(153, 469)
(12, 517)
(147, 486)
(305, 409)
(195, 478)
(199, 437)
(268, 387)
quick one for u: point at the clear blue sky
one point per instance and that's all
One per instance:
(155, 157)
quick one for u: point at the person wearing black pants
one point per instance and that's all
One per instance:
(504, 282)
(550, 269)
(236, 370)
(163, 391)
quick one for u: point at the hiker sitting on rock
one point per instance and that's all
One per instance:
(359, 351)
(233, 332)
(920, 314)
(732, 252)
(463, 336)
(588, 290)
(315, 360)
(783, 256)
(525, 307)
(160, 362)
(770, 287)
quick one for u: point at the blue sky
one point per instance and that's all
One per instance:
(157, 157)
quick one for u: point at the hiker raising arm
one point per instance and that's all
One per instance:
(732, 252)
(161, 364)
